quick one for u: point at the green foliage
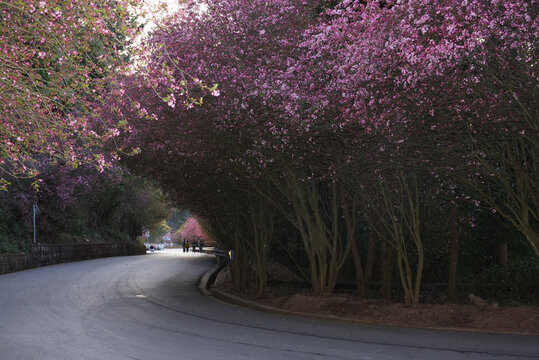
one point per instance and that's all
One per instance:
(515, 285)
(481, 270)
(111, 211)
(14, 234)
(13, 245)
(177, 218)
(106, 208)
(157, 233)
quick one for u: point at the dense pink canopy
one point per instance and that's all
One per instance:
(57, 62)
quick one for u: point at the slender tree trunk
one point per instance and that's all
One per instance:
(405, 277)
(360, 279)
(315, 281)
(418, 276)
(371, 258)
(235, 273)
(239, 267)
(244, 269)
(532, 237)
(316, 215)
(332, 274)
(350, 221)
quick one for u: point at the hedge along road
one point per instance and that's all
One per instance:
(149, 307)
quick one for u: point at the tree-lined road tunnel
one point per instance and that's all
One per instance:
(149, 307)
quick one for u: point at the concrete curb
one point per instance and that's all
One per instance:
(204, 282)
(238, 301)
(204, 286)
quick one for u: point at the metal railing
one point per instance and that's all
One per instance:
(220, 255)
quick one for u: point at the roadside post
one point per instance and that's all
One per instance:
(35, 211)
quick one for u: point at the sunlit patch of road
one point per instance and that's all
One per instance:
(179, 252)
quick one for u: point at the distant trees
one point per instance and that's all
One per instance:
(157, 232)
(191, 230)
(79, 205)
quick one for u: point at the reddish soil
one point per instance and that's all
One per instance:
(479, 315)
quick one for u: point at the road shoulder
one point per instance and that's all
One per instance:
(522, 320)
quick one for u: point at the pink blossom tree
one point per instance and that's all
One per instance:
(462, 79)
(56, 60)
(191, 231)
(322, 117)
(450, 88)
(222, 144)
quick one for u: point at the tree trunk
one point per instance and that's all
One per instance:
(418, 276)
(235, 273)
(360, 279)
(244, 269)
(315, 281)
(239, 267)
(533, 239)
(371, 258)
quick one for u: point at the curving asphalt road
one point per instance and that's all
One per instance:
(150, 308)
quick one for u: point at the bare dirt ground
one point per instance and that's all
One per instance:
(478, 315)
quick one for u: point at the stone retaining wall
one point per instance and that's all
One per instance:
(48, 254)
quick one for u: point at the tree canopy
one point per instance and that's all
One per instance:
(316, 130)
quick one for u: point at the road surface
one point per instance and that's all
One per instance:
(150, 308)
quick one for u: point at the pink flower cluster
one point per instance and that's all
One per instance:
(56, 59)
(191, 231)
